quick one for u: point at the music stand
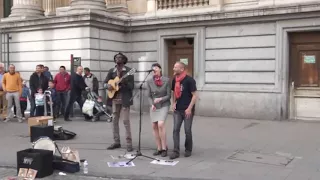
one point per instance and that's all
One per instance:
(140, 124)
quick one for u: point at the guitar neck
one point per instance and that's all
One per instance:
(123, 77)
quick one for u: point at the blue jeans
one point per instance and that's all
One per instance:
(178, 118)
(32, 106)
(61, 102)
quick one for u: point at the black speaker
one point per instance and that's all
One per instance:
(37, 159)
(41, 131)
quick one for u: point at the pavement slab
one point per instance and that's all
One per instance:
(215, 139)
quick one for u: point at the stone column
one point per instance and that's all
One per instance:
(22, 9)
(151, 6)
(217, 3)
(118, 7)
(79, 6)
(50, 6)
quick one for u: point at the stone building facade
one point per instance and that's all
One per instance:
(251, 58)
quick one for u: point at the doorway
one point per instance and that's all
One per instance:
(180, 50)
(304, 75)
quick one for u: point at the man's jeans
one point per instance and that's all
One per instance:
(62, 97)
(13, 97)
(32, 106)
(179, 117)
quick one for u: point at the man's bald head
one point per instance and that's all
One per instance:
(79, 70)
(179, 67)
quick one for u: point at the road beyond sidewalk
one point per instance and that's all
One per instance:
(224, 149)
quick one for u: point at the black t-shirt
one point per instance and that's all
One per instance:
(188, 85)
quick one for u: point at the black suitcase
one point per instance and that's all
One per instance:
(37, 159)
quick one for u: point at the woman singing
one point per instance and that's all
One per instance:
(159, 94)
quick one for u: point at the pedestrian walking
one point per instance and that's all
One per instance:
(77, 86)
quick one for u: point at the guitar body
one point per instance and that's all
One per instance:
(114, 83)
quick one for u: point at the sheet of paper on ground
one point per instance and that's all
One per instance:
(164, 162)
(120, 164)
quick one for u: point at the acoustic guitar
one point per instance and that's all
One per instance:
(116, 81)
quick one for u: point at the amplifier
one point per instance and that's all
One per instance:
(41, 131)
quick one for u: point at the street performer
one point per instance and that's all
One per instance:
(121, 101)
(184, 98)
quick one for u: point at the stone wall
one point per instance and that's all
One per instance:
(142, 53)
(241, 60)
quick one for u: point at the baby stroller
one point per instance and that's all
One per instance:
(94, 107)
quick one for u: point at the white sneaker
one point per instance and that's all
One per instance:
(20, 120)
(7, 120)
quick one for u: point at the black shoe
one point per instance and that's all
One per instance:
(187, 154)
(164, 153)
(68, 119)
(114, 146)
(157, 152)
(129, 149)
(174, 155)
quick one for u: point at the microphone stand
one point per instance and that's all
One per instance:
(140, 123)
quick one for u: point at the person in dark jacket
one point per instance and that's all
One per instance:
(37, 80)
(77, 86)
(122, 100)
(47, 73)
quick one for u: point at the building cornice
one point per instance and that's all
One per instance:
(152, 23)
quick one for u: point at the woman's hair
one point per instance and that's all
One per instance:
(123, 56)
(157, 65)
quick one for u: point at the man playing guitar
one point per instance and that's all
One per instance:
(121, 101)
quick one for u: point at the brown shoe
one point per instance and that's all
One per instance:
(114, 146)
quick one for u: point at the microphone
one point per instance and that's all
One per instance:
(150, 70)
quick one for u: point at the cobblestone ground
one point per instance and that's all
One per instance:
(9, 172)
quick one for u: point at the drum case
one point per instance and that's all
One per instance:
(37, 159)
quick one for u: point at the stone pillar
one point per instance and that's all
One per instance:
(151, 6)
(50, 6)
(216, 3)
(79, 6)
(118, 7)
(22, 9)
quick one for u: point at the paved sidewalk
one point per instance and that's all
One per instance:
(224, 149)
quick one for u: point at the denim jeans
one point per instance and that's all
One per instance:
(32, 106)
(178, 118)
(62, 97)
